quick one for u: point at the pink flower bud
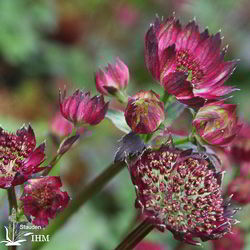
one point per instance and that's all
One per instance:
(216, 123)
(144, 112)
(43, 199)
(113, 78)
(80, 108)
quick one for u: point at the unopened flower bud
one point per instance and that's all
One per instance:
(144, 112)
(80, 108)
(114, 78)
(216, 123)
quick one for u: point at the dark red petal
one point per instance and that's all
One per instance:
(176, 84)
(151, 53)
(34, 159)
(167, 61)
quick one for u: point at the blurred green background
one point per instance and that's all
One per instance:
(45, 44)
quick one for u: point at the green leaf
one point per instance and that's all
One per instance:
(118, 119)
(173, 111)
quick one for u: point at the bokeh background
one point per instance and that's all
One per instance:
(45, 44)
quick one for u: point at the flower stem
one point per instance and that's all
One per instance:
(136, 236)
(12, 199)
(182, 141)
(87, 193)
(12, 204)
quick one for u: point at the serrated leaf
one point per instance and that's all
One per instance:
(118, 119)
(130, 144)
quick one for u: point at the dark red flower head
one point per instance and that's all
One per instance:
(144, 112)
(18, 157)
(187, 63)
(181, 191)
(232, 241)
(80, 108)
(217, 123)
(113, 78)
(43, 199)
(240, 189)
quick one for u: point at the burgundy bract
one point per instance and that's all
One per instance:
(217, 123)
(113, 78)
(18, 157)
(80, 108)
(181, 191)
(42, 199)
(189, 64)
(144, 112)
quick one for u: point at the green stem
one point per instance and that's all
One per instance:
(12, 199)
(12, 204)
(182, 141)
(57, 157)
(87, 193)
(136, 236)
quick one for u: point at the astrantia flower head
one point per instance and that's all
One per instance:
(217, 123)
(181, 191)
(144, 112)
(189, 64)
(19, 158)
(113, 78)
(80, 108)
(42, 199)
